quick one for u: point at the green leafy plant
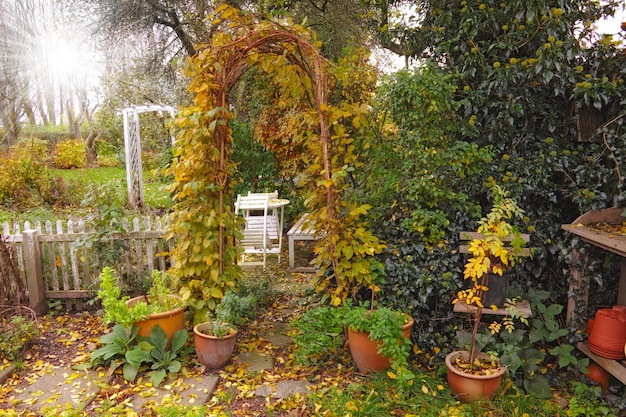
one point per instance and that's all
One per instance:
(122, 347)
(16, 334)
(154, 353)
(232, 311)
(524, 350)
(587, 402)
(105, 217)
(319, 332)
(70, 154)
(115, 344)
(116, 310)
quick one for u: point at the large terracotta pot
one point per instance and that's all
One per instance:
(213, 352)
(170, 321)
(365, 350)
(470, 387)
(608, 336)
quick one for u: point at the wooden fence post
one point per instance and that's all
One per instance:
(34, 275)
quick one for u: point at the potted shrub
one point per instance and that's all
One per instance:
(471, 374)
(378, 338)
(158, 306)
(214, 340)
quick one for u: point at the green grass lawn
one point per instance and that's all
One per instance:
(155, 195)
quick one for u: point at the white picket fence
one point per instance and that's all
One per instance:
(55, 265)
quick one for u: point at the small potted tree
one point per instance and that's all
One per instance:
(471, 374)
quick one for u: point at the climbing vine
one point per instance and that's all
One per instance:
(204, 224)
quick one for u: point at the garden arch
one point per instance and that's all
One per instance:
(203, 222)
(132, 148)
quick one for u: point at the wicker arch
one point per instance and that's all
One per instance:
(203, 221)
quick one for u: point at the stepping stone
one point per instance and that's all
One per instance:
(59, 387)
(277, 335)
(6, 371)
(278, 340)
(284, 389)
(189, 391)
(255, 361)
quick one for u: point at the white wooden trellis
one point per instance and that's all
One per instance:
(132, 148)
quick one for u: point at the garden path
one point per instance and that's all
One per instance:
(47, 380)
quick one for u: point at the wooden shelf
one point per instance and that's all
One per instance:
(610, 242)
(523, 306)
(615, 368)
(607, 241)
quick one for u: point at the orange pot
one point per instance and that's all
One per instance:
(365, 350)
(213, 352)
(608, 336)
(469, 387)
(599, 375)
(170, 321)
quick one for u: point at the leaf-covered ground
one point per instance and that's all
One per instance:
(339, 389)
(68, 339)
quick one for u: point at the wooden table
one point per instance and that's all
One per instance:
(612, 243)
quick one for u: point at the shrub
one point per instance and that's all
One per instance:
(26, 181)
(107, 161)
(70, 154)
(15, 335)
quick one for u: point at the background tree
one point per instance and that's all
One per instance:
(537, 86)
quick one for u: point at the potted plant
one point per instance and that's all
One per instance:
(471, 374)
(378, 338)
(158, 307)
(214, 340)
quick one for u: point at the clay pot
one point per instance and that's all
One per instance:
(469, 387)
(213, 352)
(608, 337)
(590, 324)
(170, 321)
(365, 350)
(599, 375)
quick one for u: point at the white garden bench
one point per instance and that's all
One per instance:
(301, 230)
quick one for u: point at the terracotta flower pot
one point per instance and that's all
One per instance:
(170, 321)
(608, 336)
(469, 387)
(213, 352)
(599, 375)
(365, 350)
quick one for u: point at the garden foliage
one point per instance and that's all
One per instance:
(26, 181)
(70, 154)
(504, 98)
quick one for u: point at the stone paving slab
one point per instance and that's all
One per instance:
(183, 391)
(6, 370)
(255, 361)
(283, 389)
(59, 387)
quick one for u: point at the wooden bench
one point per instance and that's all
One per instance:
(522, 306)
(301, 230)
